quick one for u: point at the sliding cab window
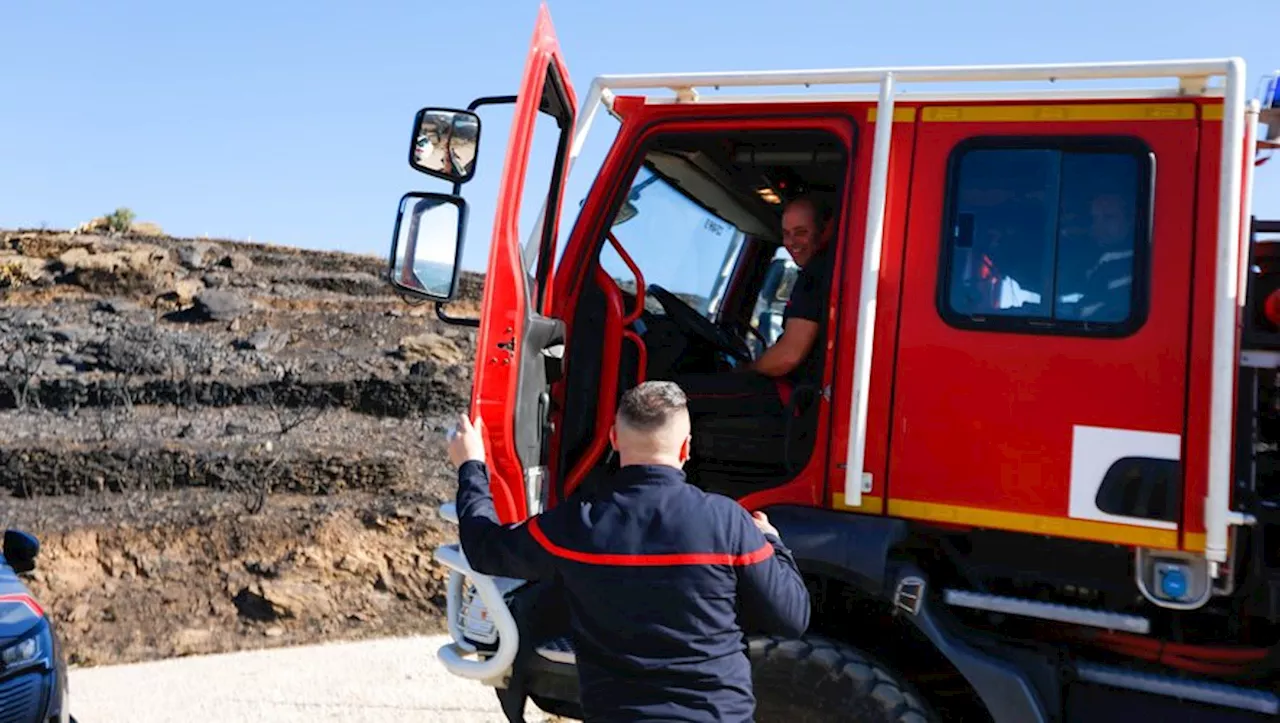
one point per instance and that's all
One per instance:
(1047, 235)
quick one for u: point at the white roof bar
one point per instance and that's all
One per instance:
(868, 290)
(597, 95)
(948, 97)
(1218, 517)
(1181, 69)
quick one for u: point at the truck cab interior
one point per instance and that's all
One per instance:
(691, 276)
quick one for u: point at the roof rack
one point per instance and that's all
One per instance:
(1193, 76)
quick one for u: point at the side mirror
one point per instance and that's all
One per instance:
(426, 248)
(20, 550)
(444, 143)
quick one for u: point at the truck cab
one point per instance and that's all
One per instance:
(1033, 481)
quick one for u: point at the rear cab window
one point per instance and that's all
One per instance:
(1047, 235)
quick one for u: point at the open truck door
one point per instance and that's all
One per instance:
(516, 348)
(515, 362)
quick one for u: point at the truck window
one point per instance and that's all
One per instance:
(1046, 236)
(771, 300)
(677, 243)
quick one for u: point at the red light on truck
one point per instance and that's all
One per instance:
(1271, 308)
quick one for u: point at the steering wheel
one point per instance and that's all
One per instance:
(691, 321)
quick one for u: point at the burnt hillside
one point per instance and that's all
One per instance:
(240, 440)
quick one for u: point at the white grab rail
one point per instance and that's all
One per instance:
(454, 655)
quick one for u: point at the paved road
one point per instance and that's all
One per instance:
(384, 680)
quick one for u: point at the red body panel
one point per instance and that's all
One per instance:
(983, 421)
(1196, 480)
(889, 297)
(975, 428)
(506, 297)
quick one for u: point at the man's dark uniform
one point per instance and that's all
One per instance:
(1108, 286)
(750, 393)
(660, 578)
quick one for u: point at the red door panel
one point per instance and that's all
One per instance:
(889, 294)
(507, 304)
(1026, 428)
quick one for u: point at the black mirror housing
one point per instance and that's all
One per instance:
(426, 247)
(445, 143)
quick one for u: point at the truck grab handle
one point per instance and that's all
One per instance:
(454, 655)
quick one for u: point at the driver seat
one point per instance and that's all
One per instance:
(733, 453)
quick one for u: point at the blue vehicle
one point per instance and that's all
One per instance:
(33, 668)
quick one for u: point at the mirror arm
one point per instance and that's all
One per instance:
(491, 100)
(455, 320)
(457, 189)
(477, 103)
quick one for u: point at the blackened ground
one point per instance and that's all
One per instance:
(223, 445)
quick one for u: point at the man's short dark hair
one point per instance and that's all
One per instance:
(822, 211)
(650, 405)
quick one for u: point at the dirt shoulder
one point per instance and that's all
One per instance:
(141, 576)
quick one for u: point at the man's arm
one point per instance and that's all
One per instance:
(804, 313)
(772, 596)
(791, 348)
(491, 547)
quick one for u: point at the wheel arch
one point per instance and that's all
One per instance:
(841, 611)
(844, 546)
(850, 563)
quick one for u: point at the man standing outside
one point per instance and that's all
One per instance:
(661, 578)
(797, 356)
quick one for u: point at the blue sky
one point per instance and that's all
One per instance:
(289, 121)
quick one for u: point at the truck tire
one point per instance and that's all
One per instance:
(813, 679)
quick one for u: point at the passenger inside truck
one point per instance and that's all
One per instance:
(1098, 268)
(1044, 235)
(1002, 214)
(694, 250)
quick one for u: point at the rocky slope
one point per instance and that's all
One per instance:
(223, 445)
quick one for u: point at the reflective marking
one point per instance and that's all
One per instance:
(1059, 113)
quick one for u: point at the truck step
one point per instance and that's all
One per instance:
(1202, 691)
(1048, 611)
(559, 650)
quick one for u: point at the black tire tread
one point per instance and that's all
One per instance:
(817, 679)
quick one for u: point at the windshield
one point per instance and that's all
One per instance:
(676, 243)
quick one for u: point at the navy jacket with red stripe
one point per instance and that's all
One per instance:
(662, 580)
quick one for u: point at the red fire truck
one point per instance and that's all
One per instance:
(1052, 360)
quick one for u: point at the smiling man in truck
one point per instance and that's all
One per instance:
(797, 357)
(661, 578)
